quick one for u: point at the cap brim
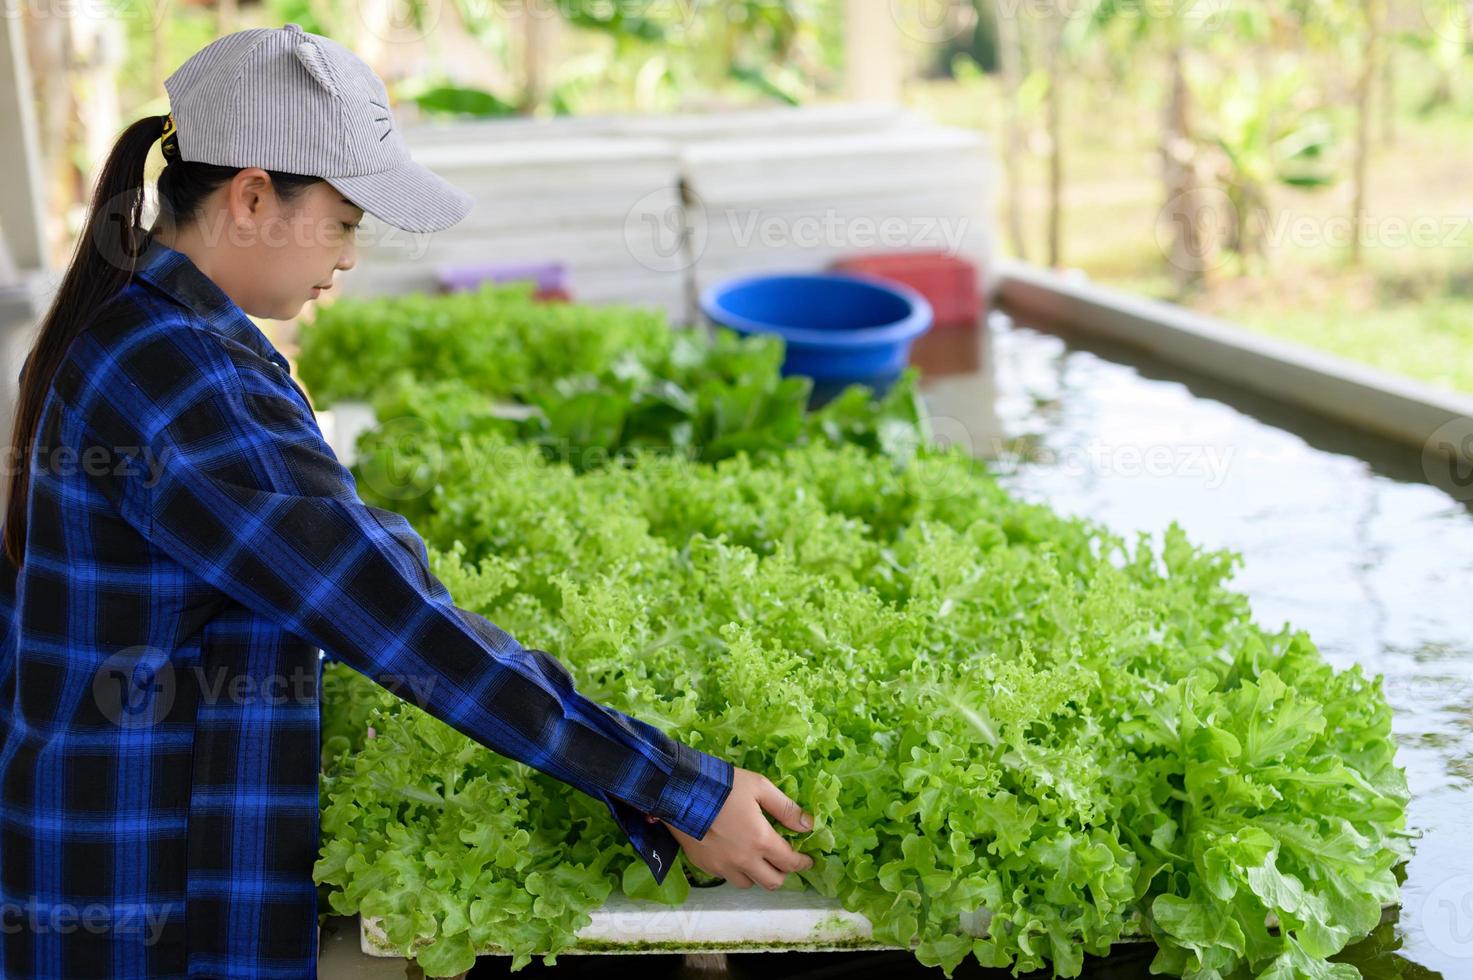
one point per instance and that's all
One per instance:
(410, 196)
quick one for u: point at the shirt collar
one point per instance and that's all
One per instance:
(176, 275)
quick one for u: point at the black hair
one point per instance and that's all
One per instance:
(101, 266)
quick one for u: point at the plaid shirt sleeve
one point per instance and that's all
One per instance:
(246, 493)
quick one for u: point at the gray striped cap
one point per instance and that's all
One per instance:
(285, 99)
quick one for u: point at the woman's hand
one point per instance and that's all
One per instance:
(740, 845)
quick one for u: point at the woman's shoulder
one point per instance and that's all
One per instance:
(138, 355)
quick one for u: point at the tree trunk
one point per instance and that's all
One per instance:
(1054, 111)
(159, 64)
(1363, 89)
(46, 47)
(1186, 253)
(1009, 52)
(227, 15)
(1388, 97)
(539, 30)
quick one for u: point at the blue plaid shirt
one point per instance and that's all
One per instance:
(193, 549)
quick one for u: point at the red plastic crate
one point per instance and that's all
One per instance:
(948, 282)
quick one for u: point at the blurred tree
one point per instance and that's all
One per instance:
(1268, 129)
(1371, 14)
(664, 54)
(1018, 104)
(977, 42)
(1175, 29)
(1354, 31)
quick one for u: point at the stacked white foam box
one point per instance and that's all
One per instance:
(575, 200)
(799, 203)
(683, 128)
(601, 195)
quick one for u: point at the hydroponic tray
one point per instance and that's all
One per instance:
(721, 918)
(724, 919)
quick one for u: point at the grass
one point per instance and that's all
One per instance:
(1407, 308)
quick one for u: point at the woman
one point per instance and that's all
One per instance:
(180, 542)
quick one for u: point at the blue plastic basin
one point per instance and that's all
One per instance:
(839, 327)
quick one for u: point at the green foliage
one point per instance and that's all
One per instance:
(458, 100)
(985, 705)
(596, 382)
(665, 57)
(499, 339)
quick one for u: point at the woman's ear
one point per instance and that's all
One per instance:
(247, 194)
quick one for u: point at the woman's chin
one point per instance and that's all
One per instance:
(289, 312)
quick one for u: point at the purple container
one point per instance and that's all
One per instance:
(548, 276)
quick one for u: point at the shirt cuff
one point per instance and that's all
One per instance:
(651, 840)
(694, 794)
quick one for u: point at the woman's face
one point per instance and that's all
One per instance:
(273, 252)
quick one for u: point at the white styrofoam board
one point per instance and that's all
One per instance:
(667, 298)
(502, 210)
(845, 233)
(341, 426)
(429, 133)
(588, 260)
(614, 152)
(893, 142)
(717, 264)
(741, 171)
(681, 126)
(568, 187)
(713, 919)
(896, 224)
(601, 198)
(586, 282)
(725, 918)
(812, 181)
(603, 244)
(794, 120)
(898, 151)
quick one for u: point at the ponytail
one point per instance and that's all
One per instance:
(94, 276)
(102, 265)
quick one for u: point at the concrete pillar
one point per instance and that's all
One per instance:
(24, 261)
(21, 213)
